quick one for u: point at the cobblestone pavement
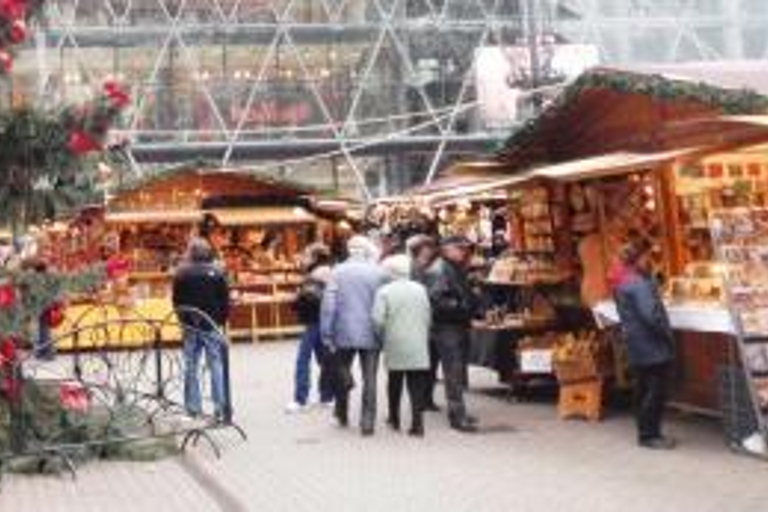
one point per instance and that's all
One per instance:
(526, 460)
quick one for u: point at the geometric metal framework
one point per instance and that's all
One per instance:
(367, 95)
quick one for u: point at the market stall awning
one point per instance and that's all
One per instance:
(262, 215)
(603, 166)
(154, 216)
(613, 164)
(476, 188)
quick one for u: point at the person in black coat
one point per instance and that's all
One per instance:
(453, 307)
(649, 338)
(201, 301)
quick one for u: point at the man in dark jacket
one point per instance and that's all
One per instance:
(649, 338)
(201, 301)
(453, 306)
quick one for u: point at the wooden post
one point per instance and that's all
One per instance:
(666, 199)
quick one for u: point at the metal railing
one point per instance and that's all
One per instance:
(120, 382)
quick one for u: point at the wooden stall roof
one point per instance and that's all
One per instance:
(609, 110)
(262, 215)
(154, 217)
(190, 186)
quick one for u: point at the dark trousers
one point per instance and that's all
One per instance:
(452, 342)
(369, 365)
(651, 389)
(417, 382)
(434, 362)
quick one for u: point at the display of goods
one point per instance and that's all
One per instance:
(530, 270)
(581, 356)
(742, 238)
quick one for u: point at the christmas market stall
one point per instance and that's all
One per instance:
(624, 156)
(258, 227)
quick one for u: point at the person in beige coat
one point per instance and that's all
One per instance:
(402, 316)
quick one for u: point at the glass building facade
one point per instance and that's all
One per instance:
(369, 96)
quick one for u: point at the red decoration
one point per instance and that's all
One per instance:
(54, 315)
(116, 94)
(117, 267)
(74, 396)
(81, 143)
(19, 31)
(10, 385)
(6, 61)
(7, 351)
(13, 9)
(7, 296)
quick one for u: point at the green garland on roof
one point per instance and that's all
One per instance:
(728, 101)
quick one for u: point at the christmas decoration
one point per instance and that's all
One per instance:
(44, 152)
(54, 315)
(81, 143)
(90, 123)
(117, 267)
(7, 296)
(74, 396)
(6, 61)
(18, 31)
(14, 18)
(36, 292)
(10, 386)
(727, 101)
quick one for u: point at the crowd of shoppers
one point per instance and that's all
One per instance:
(416, 306)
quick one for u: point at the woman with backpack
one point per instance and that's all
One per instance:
(307, 306)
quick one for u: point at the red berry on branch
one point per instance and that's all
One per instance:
(54, 315)
(119, 98)
(81, 143)
(7, 296)
(6, 61)
(19, 31)
(13, 9)
(7, 351)
(111, 85)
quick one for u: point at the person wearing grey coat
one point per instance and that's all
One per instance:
(402, 316)
(649, 338)
(347, 327)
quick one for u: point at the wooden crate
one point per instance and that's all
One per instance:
(577, 370)
(582, 399)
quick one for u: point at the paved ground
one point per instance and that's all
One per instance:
(527, 461)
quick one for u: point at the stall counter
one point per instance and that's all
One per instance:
(705, 347)
(702, 317)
